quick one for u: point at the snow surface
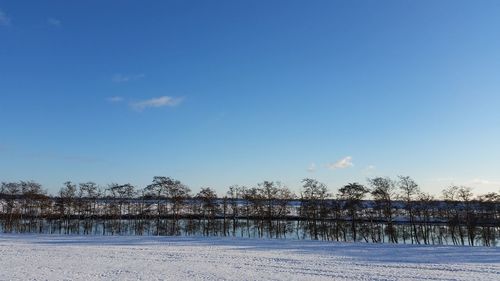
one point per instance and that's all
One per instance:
(33, 257)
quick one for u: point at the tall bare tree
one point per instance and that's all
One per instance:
(352, 195)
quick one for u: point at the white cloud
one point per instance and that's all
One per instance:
(312, 168)
(122, 78)
(369, 170)
(4, 19)
(115, 99)
(478, 181)
(343, 163)
(156, 102)
(444, 179)
(54, 22)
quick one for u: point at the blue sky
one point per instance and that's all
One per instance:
(216, 93)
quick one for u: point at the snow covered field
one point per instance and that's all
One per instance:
(29, 257)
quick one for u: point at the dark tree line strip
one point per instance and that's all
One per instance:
(387, 210)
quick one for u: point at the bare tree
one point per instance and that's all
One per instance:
(489, 204)
(465, 195)
(66, 203)
(352, 195)
(33, 200)
(10, 192)
(209, 208)
(88, 193)
(383, 192)
(312, 205)
(409, 190)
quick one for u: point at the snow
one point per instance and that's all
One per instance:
(45, 257)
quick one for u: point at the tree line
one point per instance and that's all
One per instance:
(384, 210)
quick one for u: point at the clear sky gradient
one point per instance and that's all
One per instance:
(216, 93)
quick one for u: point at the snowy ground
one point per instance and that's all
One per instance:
(28, 257)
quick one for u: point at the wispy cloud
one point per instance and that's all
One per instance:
(156, 102)
(54, 22)
(312, 168)
(81, 159)
(4, 19)
(474, 182)
(444, 179)
(478, 181)
(343, 163)
(122, 78)
(61, 157)
(369, 170)
(115, 99)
